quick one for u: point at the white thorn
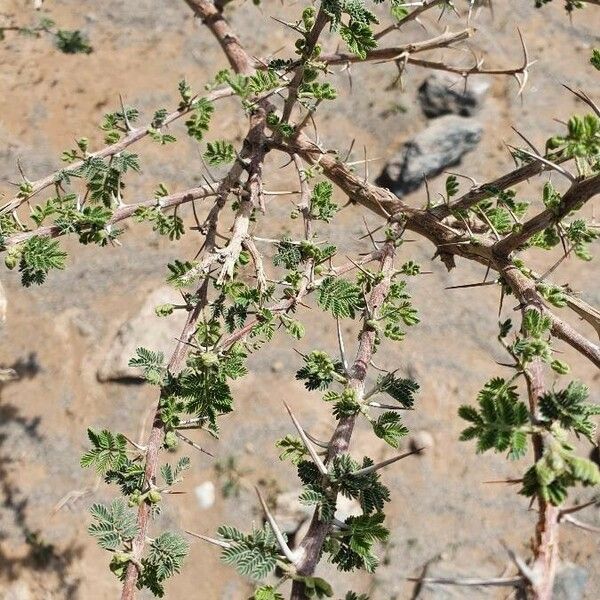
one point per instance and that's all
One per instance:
(341, 346)
(384, 463)
(311, 450)
(276, 530)
(580, 524)
(210, 540)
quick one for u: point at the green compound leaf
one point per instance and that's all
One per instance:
(340, 297)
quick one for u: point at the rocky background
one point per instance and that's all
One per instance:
(69, 340)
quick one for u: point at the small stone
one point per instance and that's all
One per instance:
(421, 440)
(205, 494)
(570, 582)
(277, 366)
(7, 375)
(443, 94)
(429, 153)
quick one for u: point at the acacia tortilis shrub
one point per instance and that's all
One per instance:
(240, 287)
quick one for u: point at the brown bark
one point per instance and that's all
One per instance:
(545, 548)
(311, 546)
(153, 446)
(579, 193)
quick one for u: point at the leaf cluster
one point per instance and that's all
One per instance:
(114, 525)
(396, 311)
(568, 408)
(219, 152)
(164, 559)
(108, 451)
(72, 42)
(501, 421)
(581, 141)
(35, 258)
(322, 207)
(319, 370)
(559, 469)
(104, 179)
(353, 548)
(253, 555)
(169, 225)
(247, 86)
(118, 122)
(198, 122)
(341, 297)
(402, 390)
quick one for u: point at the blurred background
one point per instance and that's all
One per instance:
(70, 339)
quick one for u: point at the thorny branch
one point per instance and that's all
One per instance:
(135, 135)
(310, 547)
(431, 223)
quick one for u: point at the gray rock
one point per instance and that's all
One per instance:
(570, 582)
(420, 441)
(439, 146)
(443, 94)
(143, 329)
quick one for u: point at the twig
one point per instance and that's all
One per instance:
(470, 581)
(193, 444)
(577, 523)
(131, 138)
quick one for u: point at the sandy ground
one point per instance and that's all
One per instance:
(56, 336)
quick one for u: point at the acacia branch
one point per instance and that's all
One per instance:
(153, 445)
(399, 52)
(309, 550)
(412, 16)
(135, 135)
(448, 241)
(120, 214)
(543, 570)
(577, 195)
(312, 38)
(213, 18)
(253, 149)
(491, 188)
(463, 71)
(155, 440)
(525, 291)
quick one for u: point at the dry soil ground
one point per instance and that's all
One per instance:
(57, 335)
